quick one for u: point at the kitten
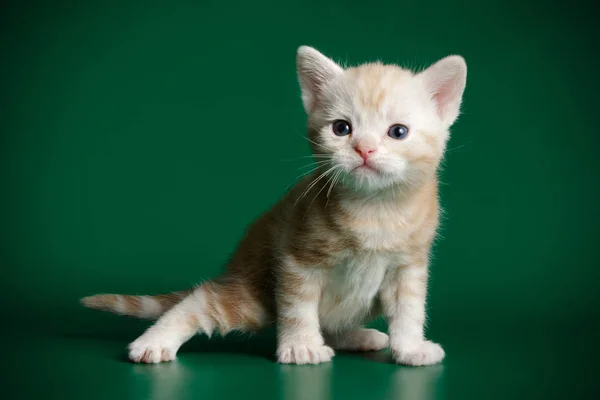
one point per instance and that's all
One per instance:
(348, 243)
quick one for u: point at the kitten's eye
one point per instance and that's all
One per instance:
(341, 127)
(398, 131)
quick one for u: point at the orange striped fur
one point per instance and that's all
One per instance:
(347, 243)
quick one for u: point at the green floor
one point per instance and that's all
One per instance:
(482, 363)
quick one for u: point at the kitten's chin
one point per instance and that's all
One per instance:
(367, 179)
(366, 170)
(373, 180)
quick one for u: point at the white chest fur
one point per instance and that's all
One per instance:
(350, 290)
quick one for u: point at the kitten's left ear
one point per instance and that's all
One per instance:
(445, 80)
(314, 71)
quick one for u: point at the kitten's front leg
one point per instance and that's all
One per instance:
(403, 297)
(299, 339)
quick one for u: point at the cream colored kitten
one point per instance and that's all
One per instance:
(346, 244)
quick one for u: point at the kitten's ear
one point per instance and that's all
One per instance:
(314, 71)
(445, 80)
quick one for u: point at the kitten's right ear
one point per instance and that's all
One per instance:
(314, 71)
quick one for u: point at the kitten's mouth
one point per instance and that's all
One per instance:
(365, 168)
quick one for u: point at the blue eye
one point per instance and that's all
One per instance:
(398, 131)
(341, 127)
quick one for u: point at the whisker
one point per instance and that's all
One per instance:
(313, 183)
(458, 147)
(303, 157)
(306, 173)
(314, 163)
(336, 179)
(318, 144)
(338, 176)
(319, 192)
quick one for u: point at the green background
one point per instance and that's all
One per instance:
(139, 139)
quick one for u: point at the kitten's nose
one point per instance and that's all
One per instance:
(365, 151)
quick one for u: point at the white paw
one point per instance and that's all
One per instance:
(361, 340)
(425, 353)
(152, 349)
(302, 353)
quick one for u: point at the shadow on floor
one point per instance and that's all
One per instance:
(262, 344)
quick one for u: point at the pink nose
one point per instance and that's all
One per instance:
(365, 151)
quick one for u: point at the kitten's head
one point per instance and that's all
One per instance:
(379, 125)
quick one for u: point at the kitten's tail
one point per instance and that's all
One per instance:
(145, 307)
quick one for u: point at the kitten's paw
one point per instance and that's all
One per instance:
(361, 340)
(302, 353)
(152, 349)
(425, 353)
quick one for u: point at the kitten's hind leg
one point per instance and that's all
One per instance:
(212, 306)
(359, 339)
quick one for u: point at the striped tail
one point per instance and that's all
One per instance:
(145, 307)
